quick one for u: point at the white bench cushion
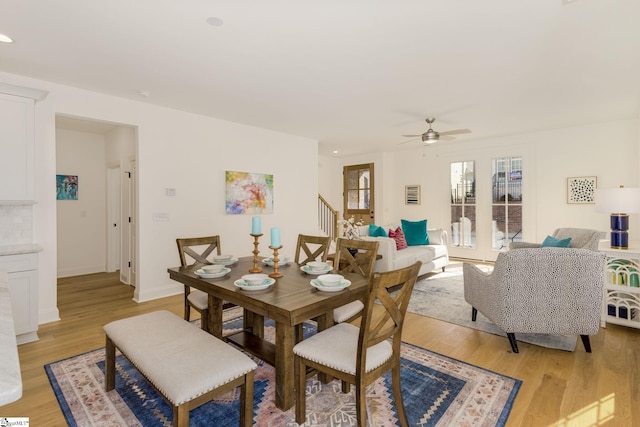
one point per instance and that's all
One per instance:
(181, 360)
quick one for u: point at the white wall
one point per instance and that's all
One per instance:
(608, 150)
(81, 224)
(177, 150)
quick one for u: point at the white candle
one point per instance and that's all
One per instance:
(275, 237)
(255, 225)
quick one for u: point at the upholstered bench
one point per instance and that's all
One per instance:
(185, 364)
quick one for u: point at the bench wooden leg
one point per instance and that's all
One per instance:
(181, 416)
(246, 401)
(110, 365)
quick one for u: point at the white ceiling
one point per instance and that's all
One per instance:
(354, 74)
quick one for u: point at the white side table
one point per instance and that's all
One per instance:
(621, 299)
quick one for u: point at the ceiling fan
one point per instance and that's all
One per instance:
(431, 136)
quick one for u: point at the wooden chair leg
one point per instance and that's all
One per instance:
(586, 343)
(110, 365)
(361, 405)
(513, 342)
(397, 395)
(301, 381)
(346, 387)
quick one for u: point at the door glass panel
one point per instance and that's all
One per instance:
(506, 189)
(463, 204)
(359, 192)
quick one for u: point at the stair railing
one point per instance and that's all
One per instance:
(327, 218)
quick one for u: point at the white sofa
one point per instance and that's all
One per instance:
(433, 256)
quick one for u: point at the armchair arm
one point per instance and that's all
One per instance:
(479, 288)
(523, 245)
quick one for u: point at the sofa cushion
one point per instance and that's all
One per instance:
(415, 232)
(377, 231)
(398, 236)
(552, 242)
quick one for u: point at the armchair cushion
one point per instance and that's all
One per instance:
(552, 242)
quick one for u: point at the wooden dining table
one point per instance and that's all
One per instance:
(290, 301)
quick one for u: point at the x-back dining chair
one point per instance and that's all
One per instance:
(312, 248)
(360, 262)
(196, 251)
(360, 355)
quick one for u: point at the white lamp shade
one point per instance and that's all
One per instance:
(618, 200)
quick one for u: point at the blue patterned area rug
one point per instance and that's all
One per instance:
(437, 390)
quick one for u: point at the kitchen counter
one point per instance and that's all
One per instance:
(10, 379)
(25, 248)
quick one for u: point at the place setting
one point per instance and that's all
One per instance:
(212, 271)
(224, 260)
(316, 268)
(330, 283)
(269, 262)
(254, 282)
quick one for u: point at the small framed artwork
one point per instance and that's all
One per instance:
(581, 189)
(412, 195)
(66, 187)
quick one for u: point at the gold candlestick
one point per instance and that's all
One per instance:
(255, 268)
(276, 274)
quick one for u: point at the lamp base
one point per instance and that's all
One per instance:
(619, 233)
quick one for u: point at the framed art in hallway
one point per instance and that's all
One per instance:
(66, 187)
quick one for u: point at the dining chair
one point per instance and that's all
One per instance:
(196, 251)
(360, 355)
(311, 248)
(353, 256)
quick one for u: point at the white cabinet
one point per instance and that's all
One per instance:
(23, 288)
(621, 301)
(17, 145)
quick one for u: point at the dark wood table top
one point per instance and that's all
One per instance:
(291, 300)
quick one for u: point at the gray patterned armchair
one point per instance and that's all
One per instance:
(554, 291)
(581, 238)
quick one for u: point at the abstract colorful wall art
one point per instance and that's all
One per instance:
(67, 187)
(248, 193)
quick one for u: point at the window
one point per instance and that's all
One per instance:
(463, 204)
(506, 189)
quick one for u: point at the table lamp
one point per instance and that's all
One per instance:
(619, 202)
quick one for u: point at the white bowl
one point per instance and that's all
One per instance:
(330, 280)
(255, 279)
(213, 268)
(317, 265)
(222, 257)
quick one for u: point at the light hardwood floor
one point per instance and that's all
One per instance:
(559, 388)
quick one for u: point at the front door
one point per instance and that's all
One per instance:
(358, 191)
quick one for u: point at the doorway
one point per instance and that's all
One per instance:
(358, 193)
(98, 238)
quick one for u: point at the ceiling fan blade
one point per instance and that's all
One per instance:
(411, 140)
(412, 136)
(455, 132)
(446, 138)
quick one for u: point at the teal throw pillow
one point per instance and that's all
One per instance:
(415, 232)
(377, 231)
(552, 242)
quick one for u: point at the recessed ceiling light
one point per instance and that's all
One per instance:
(5, 39)
(214, 21)
(335, 151)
